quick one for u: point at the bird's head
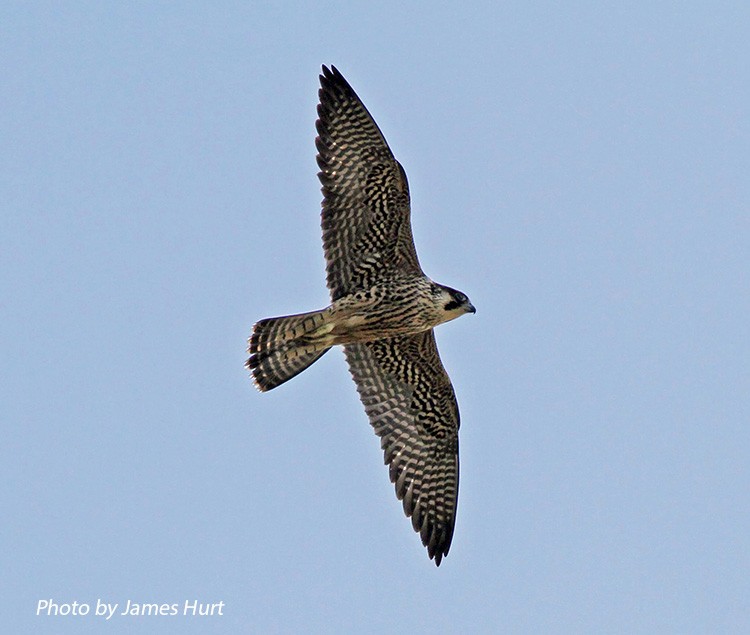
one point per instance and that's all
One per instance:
(454, 303)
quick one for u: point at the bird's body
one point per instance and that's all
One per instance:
(383, 309)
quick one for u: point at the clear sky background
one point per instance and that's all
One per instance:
(579, 169)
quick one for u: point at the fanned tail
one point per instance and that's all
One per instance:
(282, 347)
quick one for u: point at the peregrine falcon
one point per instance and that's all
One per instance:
(383, 310)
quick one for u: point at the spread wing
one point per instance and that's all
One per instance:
(411, 405)
(366, 214)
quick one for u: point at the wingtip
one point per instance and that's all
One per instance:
(331, 78)
(329, 73)
(438, 555)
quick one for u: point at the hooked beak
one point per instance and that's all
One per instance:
(470, 308)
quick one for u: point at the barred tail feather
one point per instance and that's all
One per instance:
(282, 347)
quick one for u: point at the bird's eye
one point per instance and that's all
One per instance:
(460, 297)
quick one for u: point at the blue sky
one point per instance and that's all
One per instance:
(580, 171)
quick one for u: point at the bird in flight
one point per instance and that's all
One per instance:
(383, 310)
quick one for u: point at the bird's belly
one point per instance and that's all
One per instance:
(381, 323)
